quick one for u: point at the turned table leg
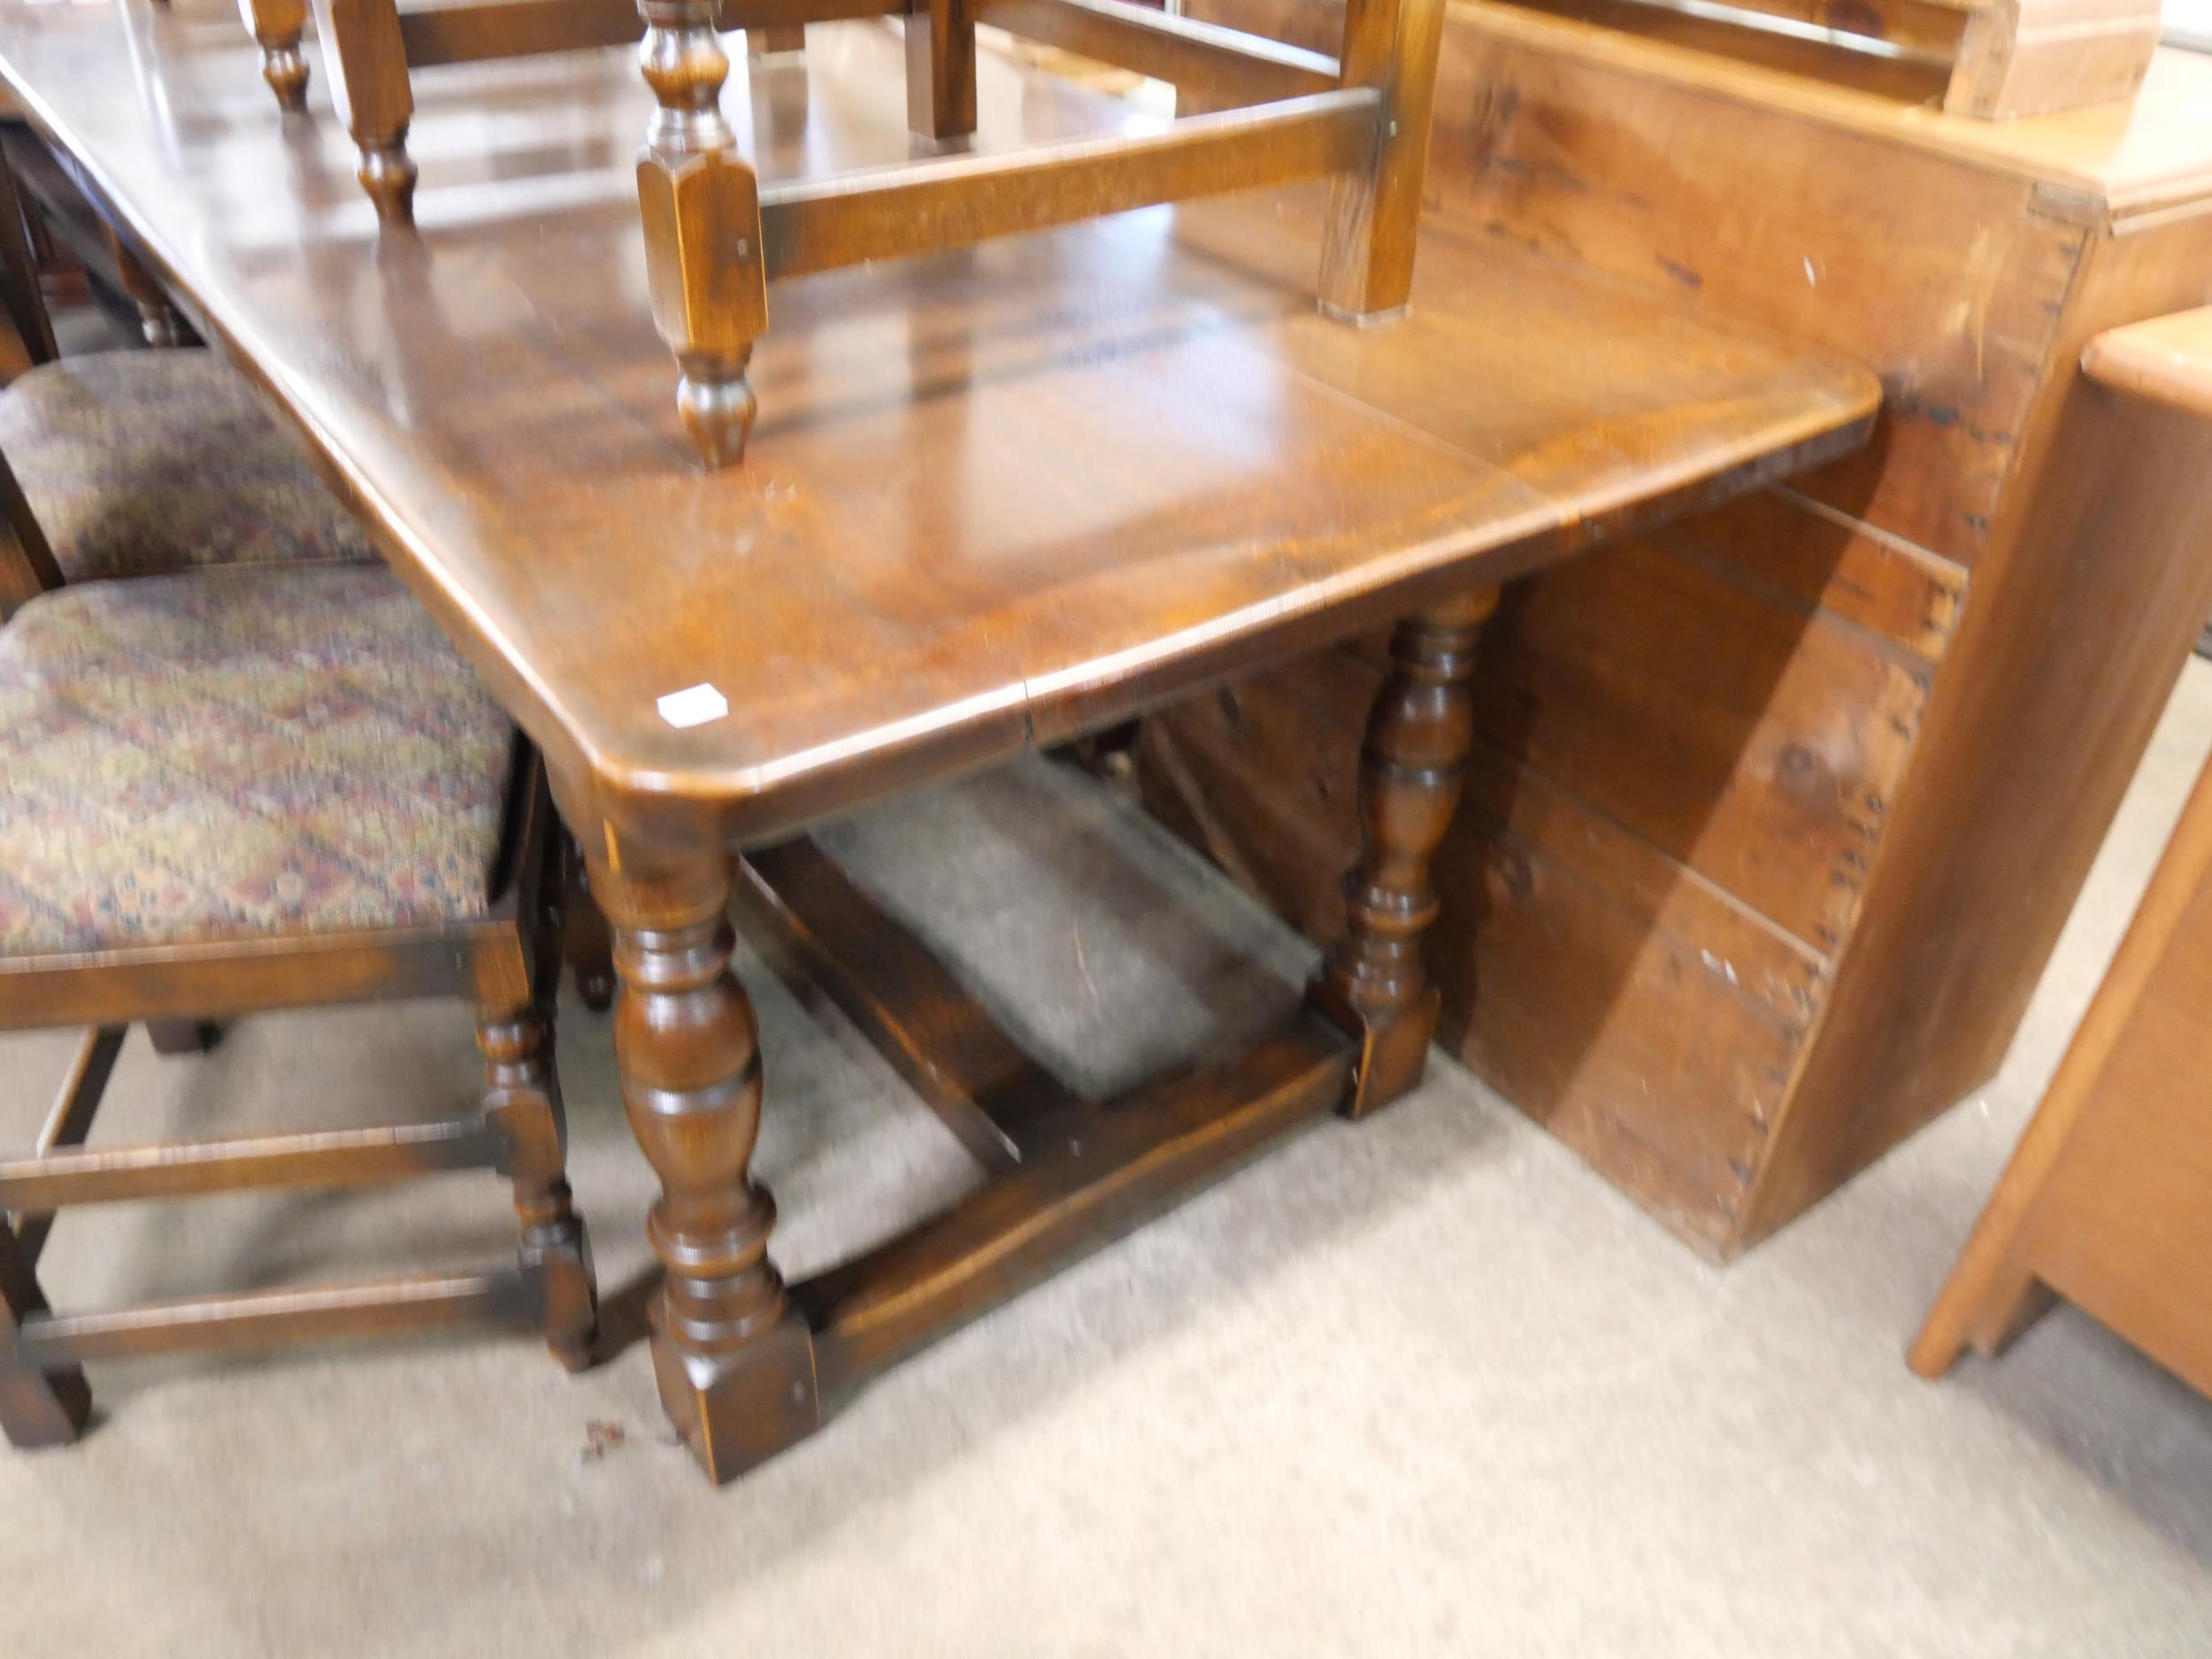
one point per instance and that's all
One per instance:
(1412, 766)
(735, 1361)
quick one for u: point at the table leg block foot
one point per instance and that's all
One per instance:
(735, 1410)
(1393, 1047)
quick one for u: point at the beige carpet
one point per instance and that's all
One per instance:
(1422, 1386)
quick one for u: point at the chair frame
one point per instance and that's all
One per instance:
(1265, 115)
(507, 962)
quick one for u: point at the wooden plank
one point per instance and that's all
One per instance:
(780, 15)
(68, 1122)
(1641, 1014)
(1754, 742)
(225, 978)
(269, 1317)
(1726, 33)
(1945, 281)
(1113, 1170)
(1811, 555)
(1925, 29)
(984, 1085)
(1227, 68)
(2052, 689)
(2034, 56)
(2102, 162)
(890, 212)
(173, 1168)
(434, 36)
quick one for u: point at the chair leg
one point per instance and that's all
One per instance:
(158, 318)
(37, 1407)
(522, 1098)
(586, 943)
(183, 1036)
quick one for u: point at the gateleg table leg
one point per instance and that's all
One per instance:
(1375, 984)
(735, 1359)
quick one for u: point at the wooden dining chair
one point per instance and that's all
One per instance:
(145, 463)
(259, 788)
(371, 48)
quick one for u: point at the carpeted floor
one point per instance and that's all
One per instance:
(1425, 1385)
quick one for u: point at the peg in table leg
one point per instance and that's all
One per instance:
(368, 65)
(701, 207)
(522, 1100)
(277, 26)
(1412, 767)
(940, 69)
(1375, 214)
(735, 1361)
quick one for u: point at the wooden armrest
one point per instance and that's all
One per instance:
(2167, 360)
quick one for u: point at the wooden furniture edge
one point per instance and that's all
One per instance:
(2165, 360)
(2075, 194)
(1983, 1299)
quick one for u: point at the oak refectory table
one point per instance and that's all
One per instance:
(995, 498)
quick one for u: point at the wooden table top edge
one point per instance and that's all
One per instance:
(748, 804)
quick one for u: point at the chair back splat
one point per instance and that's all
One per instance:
(1254, 114)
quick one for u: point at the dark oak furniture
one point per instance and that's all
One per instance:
(2107, 1201)
(1776, 812)
(714, 237)
(998, 497)
(45, 221)
(259, 789)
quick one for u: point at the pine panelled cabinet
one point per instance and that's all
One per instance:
(1778, 813)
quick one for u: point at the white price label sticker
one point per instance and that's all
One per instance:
(693, 705)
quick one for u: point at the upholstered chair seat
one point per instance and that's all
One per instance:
(249, 788)
(185, 759)
(145, 463)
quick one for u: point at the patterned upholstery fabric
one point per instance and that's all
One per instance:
(240, 753)
(140, 463)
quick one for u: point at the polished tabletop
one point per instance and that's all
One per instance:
(993, 497)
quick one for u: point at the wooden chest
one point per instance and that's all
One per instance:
(1779, 813)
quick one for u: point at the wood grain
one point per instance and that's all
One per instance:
(2166, 359)
(2104, 1198)
(1167, 401)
